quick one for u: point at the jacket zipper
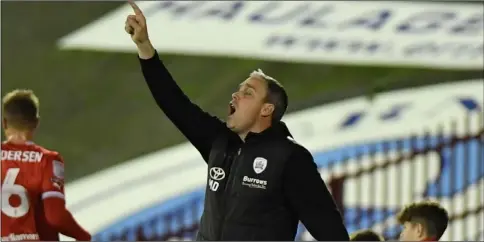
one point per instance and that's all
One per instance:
(226, 189)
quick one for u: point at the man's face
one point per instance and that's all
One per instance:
(411, 232)
(246, 105)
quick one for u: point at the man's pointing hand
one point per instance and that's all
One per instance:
(136, 27)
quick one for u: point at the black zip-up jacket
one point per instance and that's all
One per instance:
(257, 189)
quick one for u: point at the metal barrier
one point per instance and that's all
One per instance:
(454, 158)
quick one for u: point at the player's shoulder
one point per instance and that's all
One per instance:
(46, 151)
(49, 154)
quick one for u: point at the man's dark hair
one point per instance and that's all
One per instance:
(366, 235)
(433, 217)
(276, 94)
(21, 109)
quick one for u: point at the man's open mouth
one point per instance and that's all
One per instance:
(231, 108)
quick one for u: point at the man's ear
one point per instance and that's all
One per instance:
(421, 232)
(37, 122)
(267, 109)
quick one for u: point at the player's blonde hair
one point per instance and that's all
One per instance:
(21, 109)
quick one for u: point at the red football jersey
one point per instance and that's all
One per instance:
(30, 173)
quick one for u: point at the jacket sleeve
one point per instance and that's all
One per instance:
(311, 200)
(199, 127)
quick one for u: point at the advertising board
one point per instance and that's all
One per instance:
(431, 34)
(134, 192)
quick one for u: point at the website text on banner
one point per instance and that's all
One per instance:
(329, 131)
(439, 35)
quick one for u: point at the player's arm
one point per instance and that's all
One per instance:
(53, 199)
(199, 127)
(310, 198)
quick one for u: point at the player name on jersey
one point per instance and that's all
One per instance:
(23, 156)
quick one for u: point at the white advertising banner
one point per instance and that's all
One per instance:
(436, 35)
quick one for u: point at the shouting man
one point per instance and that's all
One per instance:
(261, 183)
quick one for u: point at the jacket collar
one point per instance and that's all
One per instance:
(276, 131)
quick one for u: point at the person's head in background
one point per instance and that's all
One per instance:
(20, 115)
(366, 235)
(259, 102)
(423, 221)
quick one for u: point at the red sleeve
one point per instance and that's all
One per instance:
(53, 197)
(53, 179)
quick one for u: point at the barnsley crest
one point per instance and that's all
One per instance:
(259, 165)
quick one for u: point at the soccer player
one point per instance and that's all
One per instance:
(423, 221)
(366, 235)
(33, 206)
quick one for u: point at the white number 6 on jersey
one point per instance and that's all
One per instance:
(9, 188)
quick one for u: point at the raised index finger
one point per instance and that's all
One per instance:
(135, 7)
